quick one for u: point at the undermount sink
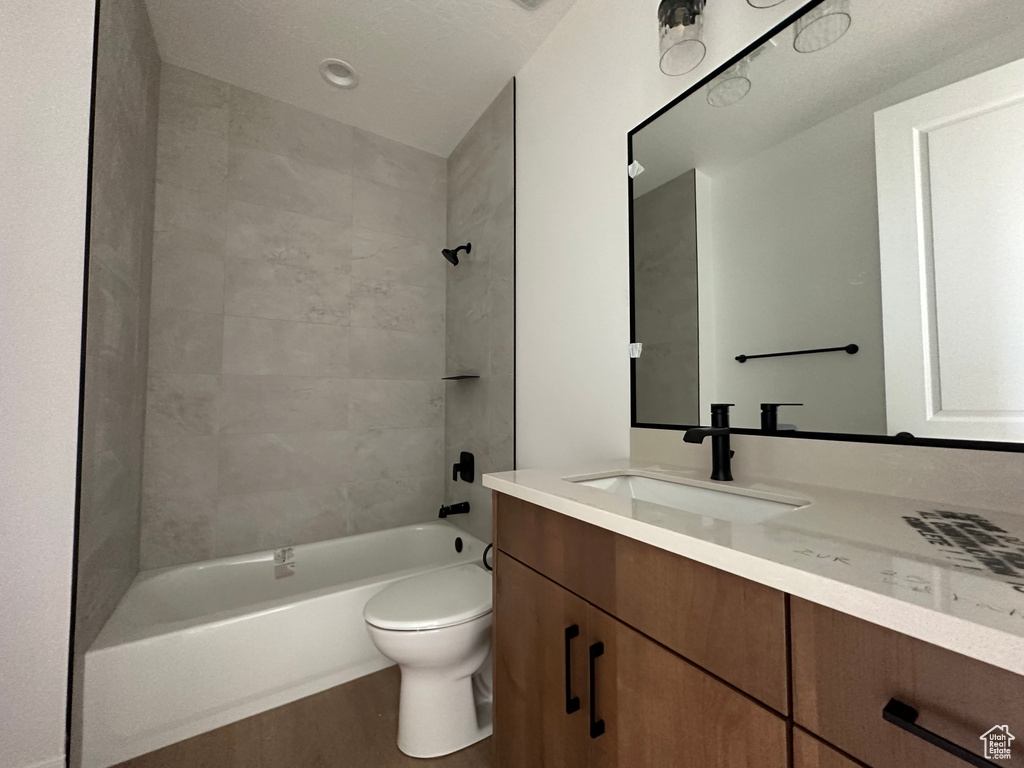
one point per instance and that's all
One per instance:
(739, 506)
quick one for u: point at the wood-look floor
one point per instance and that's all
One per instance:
(352, 726)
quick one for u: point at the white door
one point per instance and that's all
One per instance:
(951, 230)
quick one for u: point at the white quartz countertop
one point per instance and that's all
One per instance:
(949, 575)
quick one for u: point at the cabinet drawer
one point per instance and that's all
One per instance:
(846, 670)
(734, 628)
(809, 752)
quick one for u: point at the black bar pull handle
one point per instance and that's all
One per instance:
(596, 726)
(572, 703)
(905, 716)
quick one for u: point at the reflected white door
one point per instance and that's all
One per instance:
(951, 229)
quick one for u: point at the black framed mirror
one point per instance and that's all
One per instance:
(832, 218)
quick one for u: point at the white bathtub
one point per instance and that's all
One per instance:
(194, 647)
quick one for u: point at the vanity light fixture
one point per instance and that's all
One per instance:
(820, 27)
(680, 28)
(339, 73)
(730, 86)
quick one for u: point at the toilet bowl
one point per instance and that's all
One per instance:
(437, 628)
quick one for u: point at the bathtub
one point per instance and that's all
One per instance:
(194, 647)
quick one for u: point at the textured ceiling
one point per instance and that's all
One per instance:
(791, 92)
(427, 68)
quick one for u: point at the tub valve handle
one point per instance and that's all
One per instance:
(465, 469)
(455, 509)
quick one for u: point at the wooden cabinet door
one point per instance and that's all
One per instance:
(660, 711)
(532, 727)
(809, 752)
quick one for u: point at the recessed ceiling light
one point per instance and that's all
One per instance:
(339, 73)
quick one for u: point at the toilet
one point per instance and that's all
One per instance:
(437, 628)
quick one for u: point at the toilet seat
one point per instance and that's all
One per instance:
(434, 600)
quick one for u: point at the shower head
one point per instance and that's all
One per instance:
(453, 256)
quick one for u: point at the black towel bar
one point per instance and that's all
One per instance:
(850, 349)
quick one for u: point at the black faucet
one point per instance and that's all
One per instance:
(770, 417)
(721, 454)
(455, 509)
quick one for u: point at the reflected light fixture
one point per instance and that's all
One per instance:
(681, 27)
(730, 86)
(819, 28)
(765, 3)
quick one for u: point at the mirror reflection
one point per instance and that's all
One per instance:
(835, 221)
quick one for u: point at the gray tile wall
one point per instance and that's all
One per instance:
(117, 325)
(665, 275)
(479, 414)
(297, 332)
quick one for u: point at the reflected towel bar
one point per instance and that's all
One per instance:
(850, 349)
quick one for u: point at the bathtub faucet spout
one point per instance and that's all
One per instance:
(454, 509)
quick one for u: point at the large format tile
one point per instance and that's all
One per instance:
(390, 454)
(179, 491)
(487, 144)
(483, 193)
(281, 182)
(380, 504)
(175, 530)
(397, 259)
(466, 410)
(396, 307)
(184, 342)
(182, 404)
(113, 324)
(291, 239)
(399, 165)
(187, 279)
(275, 291)
(273, 126)
(501, 327)
(251, 522)
(501, 406)
(381, 354)
(278, 461)
(180, 466)
(467, 326)
(192, 160)
(189, 221)
(279, 347)
(110, 492)
(253, 404)
(395, 403)
(398, 211)
(112, 388)
(120, 234)
(193, 101)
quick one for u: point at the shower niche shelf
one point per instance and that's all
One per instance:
(460, 377)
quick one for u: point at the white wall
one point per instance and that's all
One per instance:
(594, 79)
(46, 61)
(801, 273)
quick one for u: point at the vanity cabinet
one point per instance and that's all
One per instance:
(693, 666)
(809, 752)
(731, 627)
(576, 687)
(846, 670)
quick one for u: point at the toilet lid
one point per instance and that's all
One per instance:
(432, 600)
